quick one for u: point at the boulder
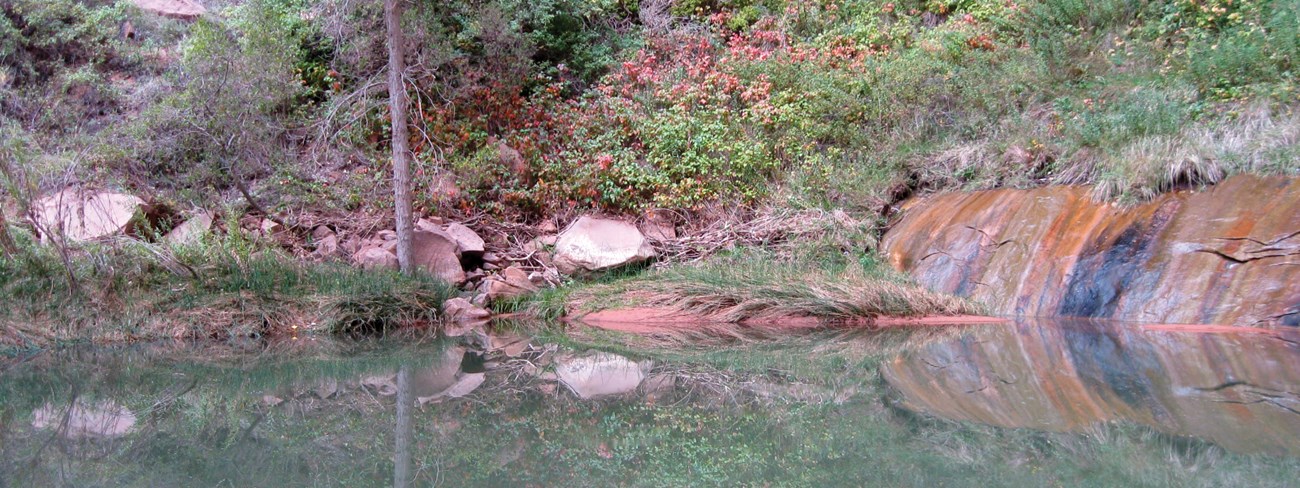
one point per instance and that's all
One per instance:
(592, 244)
(466, 239)
(375, 257)
(190, 231)
(82, 216)
(438, 254)
(598, 374)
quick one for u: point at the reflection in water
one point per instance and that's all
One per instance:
(1241, 391)
(806, 410)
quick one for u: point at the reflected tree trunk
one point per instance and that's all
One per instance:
(402, 435)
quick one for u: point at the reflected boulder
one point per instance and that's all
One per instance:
(103, 418)
(598, 374)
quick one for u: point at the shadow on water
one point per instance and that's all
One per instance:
(1031, 404)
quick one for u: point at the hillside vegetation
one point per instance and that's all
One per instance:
(531, 111)
(523, 109)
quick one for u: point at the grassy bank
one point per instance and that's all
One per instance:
(224, 287)
(755, 284)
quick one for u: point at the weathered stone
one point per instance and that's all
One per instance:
(387, 235)
(491, 258)
(190, 231)
(328, 246)
(461, 310)
(598, 374)
(100, 419)
(510, 282)
(467, 241)
(1227, 255)
(375, 257)
(320, 232)
(658, 225)
(592, 244)
(437, 253)
(271, 228)
(82, 216)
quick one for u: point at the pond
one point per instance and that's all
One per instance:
(1030, 403)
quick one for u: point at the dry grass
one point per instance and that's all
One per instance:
(752, 288)
(1260, 141)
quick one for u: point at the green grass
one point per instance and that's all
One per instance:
(226, 286)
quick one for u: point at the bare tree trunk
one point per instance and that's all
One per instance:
(397, 104)
(7, 245)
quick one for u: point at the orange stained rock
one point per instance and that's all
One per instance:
(1229, 254)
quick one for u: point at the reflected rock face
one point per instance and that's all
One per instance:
(1237, 390)
(104, 419)
(1226, 255)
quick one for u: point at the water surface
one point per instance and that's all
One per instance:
(1061, 403)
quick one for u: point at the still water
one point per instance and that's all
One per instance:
(1034, 403)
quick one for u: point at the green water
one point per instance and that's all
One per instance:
(1033, 404)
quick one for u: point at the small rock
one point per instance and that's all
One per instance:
(351, 245)
(509, 283)
(327, 246)
(491, 258)
(429, 225)
(467, 241)
(547, 227)
(658, 225)
(321, 232)
(271, 228)
(190, 231)
(375, 257)
(387, 235)
(462, 310)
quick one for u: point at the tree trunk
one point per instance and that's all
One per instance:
(397, 104)
(7, 245)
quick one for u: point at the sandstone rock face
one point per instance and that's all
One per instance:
(1227, 255)
(592, 244)
(438, 254)
(375, 257)
(82, 216)
(1236, 390)
(598, 374)
(190, 231)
